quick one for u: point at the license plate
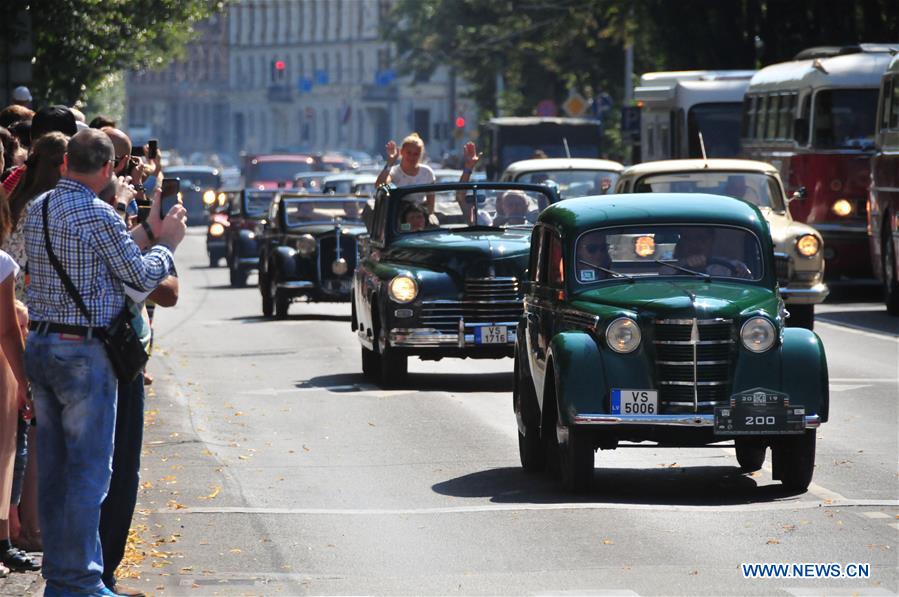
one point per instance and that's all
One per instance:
(759, 412)
(491, 334)
(635, 402)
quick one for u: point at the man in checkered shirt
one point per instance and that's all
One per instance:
(72, 380)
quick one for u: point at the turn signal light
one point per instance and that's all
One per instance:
(842, 207)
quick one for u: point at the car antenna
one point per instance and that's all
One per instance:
(567, 151)
(705, 157)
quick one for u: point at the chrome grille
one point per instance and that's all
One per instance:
(693, 377)
(327, 253)
(485, 300)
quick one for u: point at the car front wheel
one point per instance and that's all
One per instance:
(793, 460)
(576, 459)
(370, 364)
(238, 277)
(890, 282)
(750, 454)
(531, 450)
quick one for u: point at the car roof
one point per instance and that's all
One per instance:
(668, 166)
(571, 216)
(540, 164)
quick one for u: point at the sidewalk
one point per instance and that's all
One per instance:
(22, 584)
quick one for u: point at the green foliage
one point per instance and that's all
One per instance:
(78, 43)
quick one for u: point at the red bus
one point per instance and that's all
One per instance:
(883, 200)
(813, 119)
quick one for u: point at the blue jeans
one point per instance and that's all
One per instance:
(18, 478)
(75, 402)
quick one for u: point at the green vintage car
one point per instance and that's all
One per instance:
(657, 318)
(440, 275)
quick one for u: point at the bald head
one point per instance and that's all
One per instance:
(122, 144)
(88, 152)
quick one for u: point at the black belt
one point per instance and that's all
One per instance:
(46, 327)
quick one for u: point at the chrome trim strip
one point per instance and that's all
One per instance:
(690, 321)
(296, 285)
(701, 403)
(691, 384)
(468, 302)
(689, 343)
(426, 337)
(695, 420)
(682, 363)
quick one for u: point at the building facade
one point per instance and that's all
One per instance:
(293, 75)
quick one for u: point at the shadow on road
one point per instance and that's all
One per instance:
(874, 321)
(433, 382)
(303, 317)
(687, 486)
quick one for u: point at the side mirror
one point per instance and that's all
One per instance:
(799, 194)
(800, 131)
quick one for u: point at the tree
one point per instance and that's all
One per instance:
(78, 43)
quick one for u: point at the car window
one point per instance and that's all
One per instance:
(258, 202)
(667, 250)
(555, 267)
(536, 250)
(753, 187)
(272, 170)
(326, 211)
(497, 208)
(574, 183)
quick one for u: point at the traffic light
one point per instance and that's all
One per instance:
(278, 71)
(460, 122)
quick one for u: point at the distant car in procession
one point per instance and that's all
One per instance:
(813, 118)
(247, 212)
(574, 177)
(512, 139)
(199, 189)
(274, 171)
(801, 246)
(686, 349)
(883, 199)
(309, 249)
(448, 284)
(310, 182)
(219, 222)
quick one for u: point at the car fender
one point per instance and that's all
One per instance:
(285, 262)
(579, 374)
(247, 244)
(804, 375)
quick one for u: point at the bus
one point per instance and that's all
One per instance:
(511, 139)
(676, 106)
(813, 119)
(883, 198)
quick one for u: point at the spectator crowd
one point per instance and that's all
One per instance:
(83, 246)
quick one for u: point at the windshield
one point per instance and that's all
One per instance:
(667, 250)
(338, 187)
(192, 180)
(276, 171)
(844, 119)
(310, 184)
(258, 202)
(574, 183)
(498, 208)
(525, 151)
(720, 128)
(758, 189)
(301, 212)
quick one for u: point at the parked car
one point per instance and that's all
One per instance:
(246, 216)
(802, 280)
(444, 285)
(309, 250)
(575, 177)
(687, 349)
(219, 222)
(199, 188)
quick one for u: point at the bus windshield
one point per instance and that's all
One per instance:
(844, 119)
(719, 124)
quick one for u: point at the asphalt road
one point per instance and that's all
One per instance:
(273, 468)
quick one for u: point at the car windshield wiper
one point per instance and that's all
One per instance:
(705, 276)
(607, 270)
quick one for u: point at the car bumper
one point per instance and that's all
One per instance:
(215, 244)
(697, 420)
(809, 295)
(462, 338)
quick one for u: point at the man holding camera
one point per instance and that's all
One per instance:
(72, 379)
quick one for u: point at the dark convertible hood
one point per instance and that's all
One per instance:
(467, 254)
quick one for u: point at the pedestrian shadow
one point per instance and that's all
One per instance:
(682, 486)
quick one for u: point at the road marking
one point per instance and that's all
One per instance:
(864, 379)
(836, 387)
(781, 505)
(860, 331)
(838, 592)
(876, 515)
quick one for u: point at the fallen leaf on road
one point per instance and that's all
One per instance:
(212, 495)
(236, 550)
(608, 542)
(773, 542)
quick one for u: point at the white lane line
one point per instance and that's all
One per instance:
(853, 329)
(876, 515)
(864, 380)
(840, 387)
(762, 506)
(838, 592)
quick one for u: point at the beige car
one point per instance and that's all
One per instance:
(572, 177)
(799, 246)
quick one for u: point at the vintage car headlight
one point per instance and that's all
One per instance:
(403, 289)
(339, 267)
(209, 197)
(623, 335)
(306, 245)
(221, 198)
(758, 334)
(808, 245)
(216, 229)
(842, 207)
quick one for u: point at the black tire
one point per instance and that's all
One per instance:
(371, 364)
(268, 304)
(890, 281)
(213, 260)
(801, 316)
(793, 460)
(575, 460)
(531, 450)
(393, 368)
(282, 304)
(750, 454)
(238, 276)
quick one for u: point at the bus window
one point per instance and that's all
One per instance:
(760, 107)
(748, 116)
(845, 118)
(894, 107)
(772, 117)
(787, 107)
(886, 94)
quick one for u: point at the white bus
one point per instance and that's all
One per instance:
(676, 106)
